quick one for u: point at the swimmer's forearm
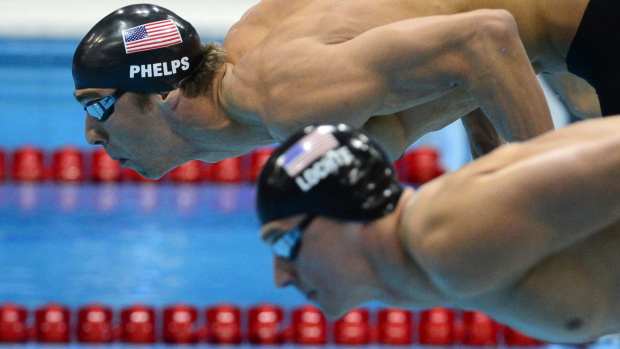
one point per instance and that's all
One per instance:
(483, 137)
(479, 50)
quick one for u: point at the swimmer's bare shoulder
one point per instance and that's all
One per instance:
(256, 23)
(567, 297)
(510, 233)
(480, 228)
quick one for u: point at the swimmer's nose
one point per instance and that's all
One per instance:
(284, 275)
(94, 136)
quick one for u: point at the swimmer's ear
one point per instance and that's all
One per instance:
(170, 99)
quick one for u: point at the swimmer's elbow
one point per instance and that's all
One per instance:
(497, 25)
(494, 37)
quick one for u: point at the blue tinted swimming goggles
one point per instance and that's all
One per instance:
(288, 244)
(101, 109)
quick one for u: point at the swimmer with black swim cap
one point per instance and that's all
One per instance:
(268, 84)
(506, 235)
(329, 170)
(140, 73)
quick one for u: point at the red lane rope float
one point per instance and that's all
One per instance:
(69, 164)
(259, 324)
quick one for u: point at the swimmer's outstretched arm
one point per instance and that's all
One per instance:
(402, 64)
(482, 227)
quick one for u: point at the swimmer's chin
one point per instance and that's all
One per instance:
(337, 315)
(144, 173)
(150, 175)
(334, 314)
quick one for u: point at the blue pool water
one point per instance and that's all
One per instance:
(120, 244)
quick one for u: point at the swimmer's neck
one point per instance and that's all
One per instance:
(215, 108)
(214, 131)
(236, 99)
(402, 280)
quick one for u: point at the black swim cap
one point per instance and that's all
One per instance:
(140, 48)
(328, 170)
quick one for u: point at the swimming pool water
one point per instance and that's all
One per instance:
(125, 243)
(153, 243)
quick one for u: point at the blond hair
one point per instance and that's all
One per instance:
(201, 80)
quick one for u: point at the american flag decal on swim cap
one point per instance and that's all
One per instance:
(151, 36)
(307, 150)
